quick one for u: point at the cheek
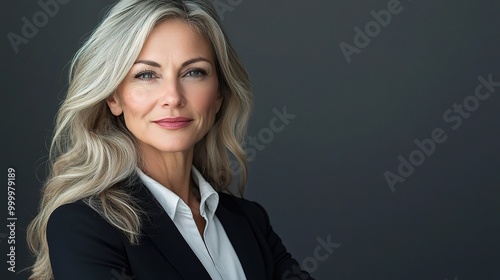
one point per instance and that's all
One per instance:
(203, 98)
(209, 106)
(136, 103)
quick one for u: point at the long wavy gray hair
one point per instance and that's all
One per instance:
(92, 150)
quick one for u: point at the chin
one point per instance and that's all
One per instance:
(173, 146)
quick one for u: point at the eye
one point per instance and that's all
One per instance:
(198, 72)
(145, 75)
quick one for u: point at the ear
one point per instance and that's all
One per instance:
(218, 102)
(114, 104)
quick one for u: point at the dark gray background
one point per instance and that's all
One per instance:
(321, 178)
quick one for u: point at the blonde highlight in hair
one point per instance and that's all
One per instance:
(92, 154)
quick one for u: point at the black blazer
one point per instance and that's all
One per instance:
(82, 245)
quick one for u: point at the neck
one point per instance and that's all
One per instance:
(172, 170)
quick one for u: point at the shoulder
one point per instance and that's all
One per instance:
(251, 209)
(75, 215)
(78, 208)
(77, 226)
(82, 243)
(229, 200)
(283, 265)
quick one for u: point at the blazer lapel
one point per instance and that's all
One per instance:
(241, 235)
(158, 227)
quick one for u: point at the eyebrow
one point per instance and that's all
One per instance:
(148, 62)
(156, 64)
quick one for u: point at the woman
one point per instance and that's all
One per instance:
(139, 183)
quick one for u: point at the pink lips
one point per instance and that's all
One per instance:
(174, 123)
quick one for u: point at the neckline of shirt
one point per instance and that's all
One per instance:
(209, 198)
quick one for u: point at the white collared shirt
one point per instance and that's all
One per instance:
(217, 253)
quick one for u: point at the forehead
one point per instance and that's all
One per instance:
(175, 39)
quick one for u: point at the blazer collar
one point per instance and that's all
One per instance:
(158, 227)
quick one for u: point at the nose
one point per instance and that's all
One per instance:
(172, 93)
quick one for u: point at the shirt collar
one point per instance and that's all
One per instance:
(209, 198)
(169, 200)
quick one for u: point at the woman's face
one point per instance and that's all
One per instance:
(170, 96)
